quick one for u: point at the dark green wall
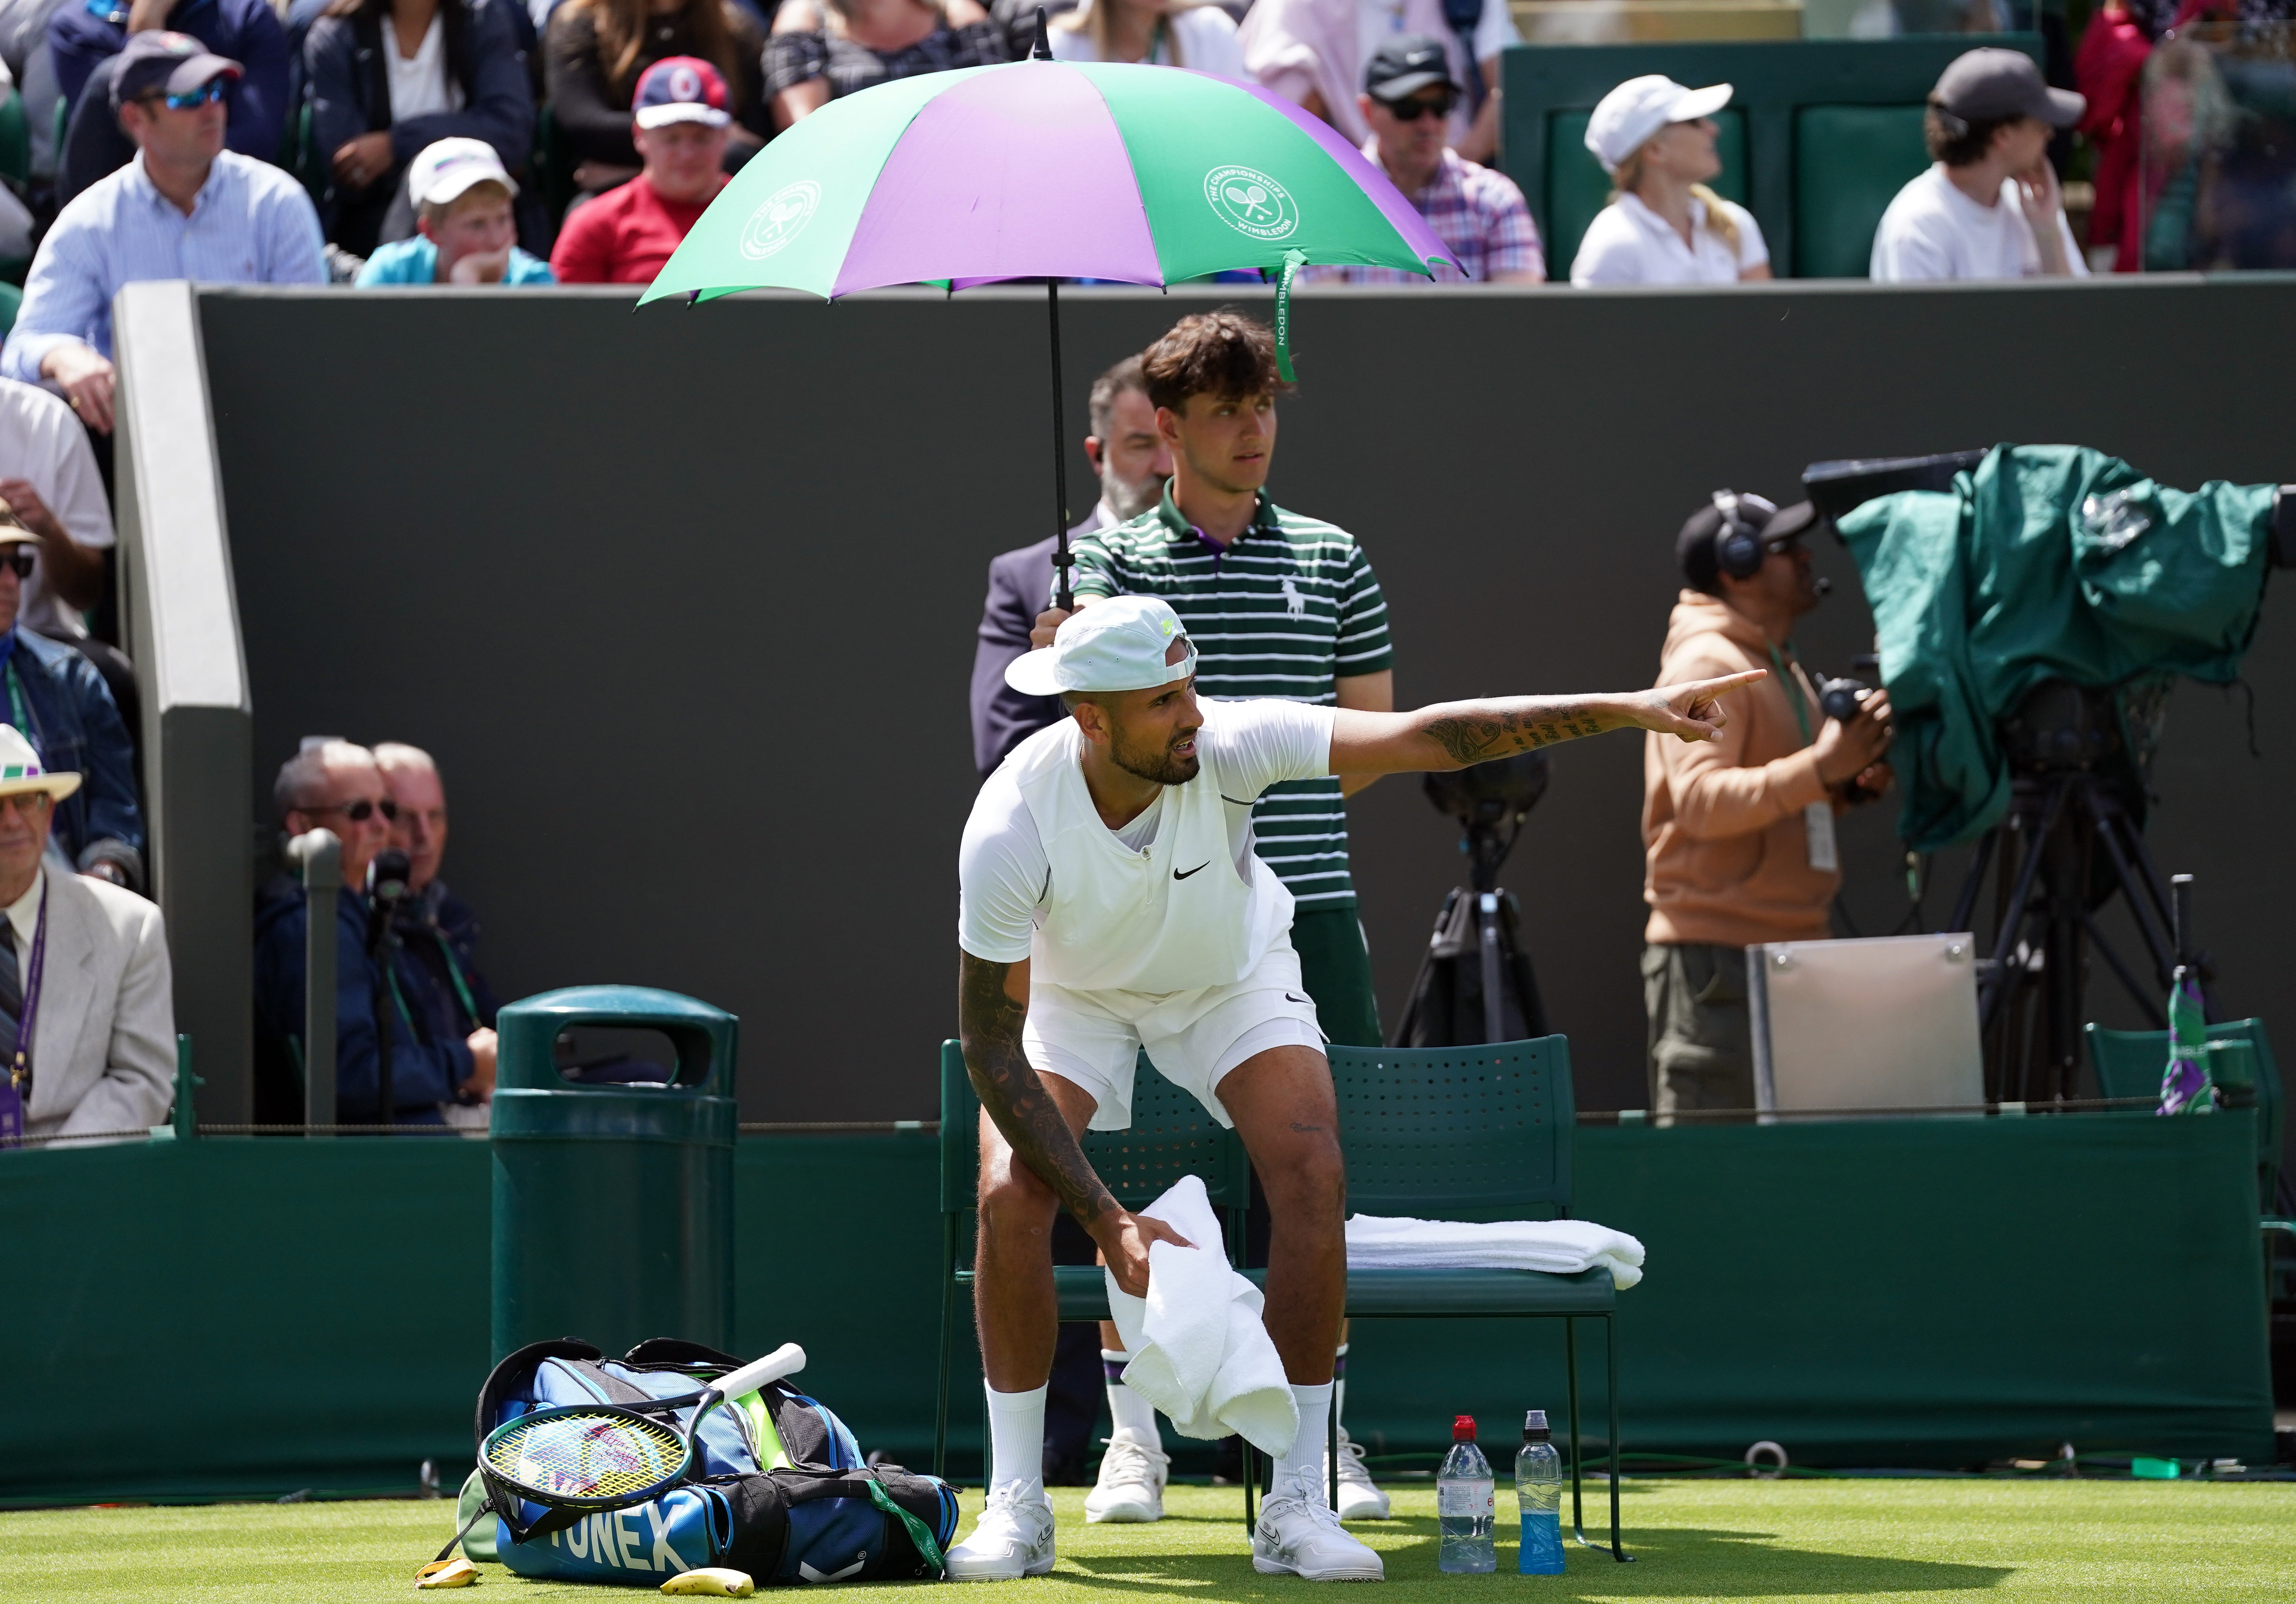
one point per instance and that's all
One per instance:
(684, 599)
(236, 1317)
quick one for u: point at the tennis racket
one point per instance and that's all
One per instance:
(589, 1456)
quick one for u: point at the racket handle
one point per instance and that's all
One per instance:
(786, 1360)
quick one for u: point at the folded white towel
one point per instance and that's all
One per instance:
(1199, 1351)
(1557, 1246)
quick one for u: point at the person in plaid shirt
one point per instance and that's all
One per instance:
(1478, 213)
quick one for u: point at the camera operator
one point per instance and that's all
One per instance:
(1738, 832)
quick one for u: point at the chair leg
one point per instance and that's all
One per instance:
(947, 1335)
(1331, 1447)
(1250, 1487)
(1577, 1450)
(1618, 1451)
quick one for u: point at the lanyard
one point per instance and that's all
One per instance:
(1794, 693)
(454, 974)
(16, 705)
(19, 1073)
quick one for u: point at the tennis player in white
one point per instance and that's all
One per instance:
(1112, 902)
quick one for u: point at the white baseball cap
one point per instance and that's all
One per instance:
(1639, 108)
(444, 170)
(1118, 644)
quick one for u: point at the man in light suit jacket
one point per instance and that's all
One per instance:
(1133, 462)
(101, 1053)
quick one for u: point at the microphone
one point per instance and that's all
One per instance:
(387, 877)
(1824, 588)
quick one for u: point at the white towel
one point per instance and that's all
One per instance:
(1557, 1246)
(1199, 1351)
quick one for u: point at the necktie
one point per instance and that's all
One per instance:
(12, 991)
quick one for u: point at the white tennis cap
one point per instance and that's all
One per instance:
(1124, 644)
(443, 170)
(1639, 108)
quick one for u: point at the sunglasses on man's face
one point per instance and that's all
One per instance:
(360, 811)
(191, 100)
(1417, 107)
(20, 557)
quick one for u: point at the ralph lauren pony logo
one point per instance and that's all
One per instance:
(1251, 202)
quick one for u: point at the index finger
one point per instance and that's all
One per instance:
(1161, 1231)
(1728, 682)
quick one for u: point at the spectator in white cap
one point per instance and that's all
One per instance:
(1989, 207)
(1663, 224)
(683, 120)
(464, 231)
(87, 1015)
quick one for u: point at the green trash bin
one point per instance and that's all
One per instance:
(613, 1205)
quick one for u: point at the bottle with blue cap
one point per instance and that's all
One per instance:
(1538, 1495)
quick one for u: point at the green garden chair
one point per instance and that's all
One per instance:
(2129, 1064)
(1481, 1132)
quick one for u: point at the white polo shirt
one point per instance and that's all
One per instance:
(1628, 243)
(1932, 232)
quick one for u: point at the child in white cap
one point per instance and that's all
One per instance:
(1663, 224)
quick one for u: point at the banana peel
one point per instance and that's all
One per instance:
(457, 1572)
(713, 1582)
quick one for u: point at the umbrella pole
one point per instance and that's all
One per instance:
(1063, 599)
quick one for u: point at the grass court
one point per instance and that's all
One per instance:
(1808, 1542)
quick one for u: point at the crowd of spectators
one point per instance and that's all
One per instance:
(395, 142)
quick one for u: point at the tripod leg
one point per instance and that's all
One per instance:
(1487, 934)
(2147, 1001)
(1964, 906)
(2020, 899)
(2150, 921)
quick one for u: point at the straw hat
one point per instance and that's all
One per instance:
(21, 771)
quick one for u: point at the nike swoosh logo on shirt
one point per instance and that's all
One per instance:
(1181, 875)
(1288, 997)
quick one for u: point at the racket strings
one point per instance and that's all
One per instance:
(589, 1456)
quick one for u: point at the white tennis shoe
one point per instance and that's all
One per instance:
(1299, 1534)
(1012, 1538)
(1131, 1484)
(1359, 1499)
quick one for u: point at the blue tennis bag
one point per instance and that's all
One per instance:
(782, 1490)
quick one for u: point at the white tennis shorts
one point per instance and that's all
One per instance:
(1094, 1038)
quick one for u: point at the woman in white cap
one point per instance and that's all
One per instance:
(1663, 224)
(1168, 33)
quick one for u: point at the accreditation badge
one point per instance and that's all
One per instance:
(12, 1116)
(1817, 821)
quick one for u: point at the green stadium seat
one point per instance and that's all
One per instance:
(1481, 1132)
(1850, 163)
(12, 301)
(1577, 186)
(2129, 1063)
(15, 140)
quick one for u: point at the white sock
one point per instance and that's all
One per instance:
(1304, 1461)
(1340, 1384)
(1127, 1410)
(1016, 1435)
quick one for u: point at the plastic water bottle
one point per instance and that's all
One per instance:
(1538, 1493)
(1463, 1505)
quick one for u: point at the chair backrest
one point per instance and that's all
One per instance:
(2129, 1063)
(1171, 1135)
(1457, 1133)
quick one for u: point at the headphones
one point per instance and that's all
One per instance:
(1738, 538)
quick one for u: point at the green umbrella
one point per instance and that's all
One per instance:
(1044, 169)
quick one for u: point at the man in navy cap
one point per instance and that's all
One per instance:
(86, 41)
(184, 209)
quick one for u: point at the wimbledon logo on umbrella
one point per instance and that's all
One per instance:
(779, 219)
(1251, 202)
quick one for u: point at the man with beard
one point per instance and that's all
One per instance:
(1133, 462)
(1079, 950)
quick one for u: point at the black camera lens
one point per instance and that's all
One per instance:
(1841, 698)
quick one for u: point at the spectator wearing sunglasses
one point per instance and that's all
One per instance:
(332, 784)
(1408, 97)
(184, 209)
(89, 39)
(1738, 831)
(440, 929)
(55, 697)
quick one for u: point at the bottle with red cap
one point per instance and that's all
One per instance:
(1464, 1506)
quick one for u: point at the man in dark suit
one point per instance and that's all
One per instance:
(1133, 462)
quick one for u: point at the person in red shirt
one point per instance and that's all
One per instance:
(626, 234)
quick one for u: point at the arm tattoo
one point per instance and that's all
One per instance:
(988, 1023)
(1482, 731)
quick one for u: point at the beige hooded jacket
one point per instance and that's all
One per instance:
(1726, 843)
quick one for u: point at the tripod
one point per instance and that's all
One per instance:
(2073, 839)
(1475, 984)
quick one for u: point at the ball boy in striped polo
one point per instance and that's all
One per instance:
(1278, 605)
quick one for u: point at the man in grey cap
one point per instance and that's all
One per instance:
(1989, 207)
(184, 209)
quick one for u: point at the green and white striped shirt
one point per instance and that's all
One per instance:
(1288, 609)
